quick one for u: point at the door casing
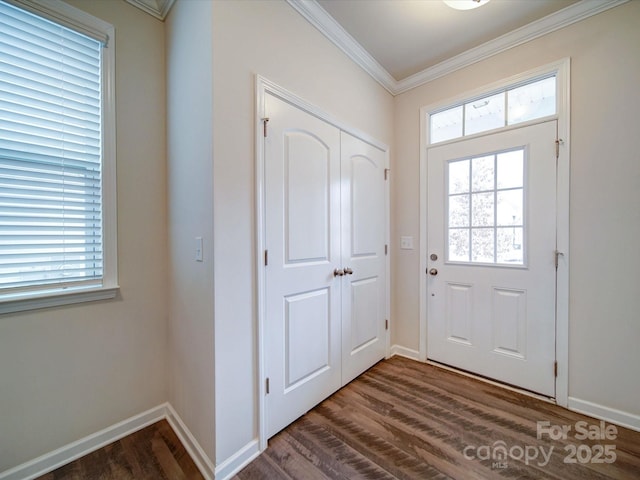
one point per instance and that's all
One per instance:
(264, 86)
(562, 70)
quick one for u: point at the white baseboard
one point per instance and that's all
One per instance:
(68, 453)
(72, 451)
(191, 445)
(238, 460)
(624, 419)
(404, 352)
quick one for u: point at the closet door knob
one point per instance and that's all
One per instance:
(348, 271)
(338, 272)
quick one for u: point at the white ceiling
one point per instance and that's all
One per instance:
(406, 43)
(407, 36)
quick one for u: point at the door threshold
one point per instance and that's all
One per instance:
(490, 381)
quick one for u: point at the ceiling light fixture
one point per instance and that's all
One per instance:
(465, 4)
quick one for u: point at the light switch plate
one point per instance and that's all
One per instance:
(406, 243)
(198, 255)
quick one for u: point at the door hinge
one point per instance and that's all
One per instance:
(266, 258)
(386, 173)
(559, 142)
(557, 256)
(266, 385)
(555, 369)
(386, 324)
(386, 249)
(265, 120)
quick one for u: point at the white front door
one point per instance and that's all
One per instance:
(363, 243)
(302, 238)
(491, 256)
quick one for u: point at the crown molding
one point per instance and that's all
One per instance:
(157, 8)
(319, 18)
(560, 19)
(330, 28)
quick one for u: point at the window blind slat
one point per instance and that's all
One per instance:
(43, 214)
(50, 154)
(50, 137)
(50, 40)
(47, 151)
(52, 58)
(29, 107)
(38, 259)
(55, 205)
(85, 173)
(38, 94)
(19, 62)
(49, 277)
(61, 197)
(24, 115)
(34, 162)
(50, 248)
(84, 193)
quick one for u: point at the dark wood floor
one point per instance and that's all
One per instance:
(407, 420)
(153, 453)
(400, 420)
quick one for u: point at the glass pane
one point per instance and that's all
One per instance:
(459, 176)
(482, 245)
(482, 209)
(510, 169)
(459, 211)
(510, 247)
(484, 114)
(458, 245)
(510, 209)
(535, 100)
(446, 125)
(482, 175)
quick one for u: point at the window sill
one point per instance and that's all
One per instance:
(57, 299)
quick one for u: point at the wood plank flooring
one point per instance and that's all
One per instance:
(152, 453)
(399, 420)
(407, 420)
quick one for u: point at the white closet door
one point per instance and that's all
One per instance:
(302, 234)
(363, 258)
(325, 279)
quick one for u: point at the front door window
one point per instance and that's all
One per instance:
(485, 205)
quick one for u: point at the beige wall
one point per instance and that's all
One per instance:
(190, 176)
(267, 38)
(68, 372)
(605, 218)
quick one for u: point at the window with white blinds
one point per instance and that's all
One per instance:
(51, 157)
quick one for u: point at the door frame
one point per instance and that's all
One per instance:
(263, 87)
(561, 69)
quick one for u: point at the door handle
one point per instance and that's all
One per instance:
(348, 271)
(433, 272)
(338, 272)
